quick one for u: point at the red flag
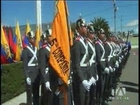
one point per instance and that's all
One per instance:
(11, 42)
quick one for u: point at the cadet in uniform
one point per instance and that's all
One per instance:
(44, 67)
(101, 65)
(30, 66)
(80, 64)
(92, 62)
(109, 60)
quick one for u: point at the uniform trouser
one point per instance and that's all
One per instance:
(46, 96)
(64, 97)
(107, 85)
(100, 88)
(81, 95)
(32, 92)
(76, 91)
(92, 100)
(84, 95)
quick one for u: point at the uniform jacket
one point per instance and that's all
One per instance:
(78, 60)
(30, 65)
(92, 57)
(47, 72)
(100, 56)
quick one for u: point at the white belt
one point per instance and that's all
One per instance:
(84, 65)
(102, 60)
(110, 56)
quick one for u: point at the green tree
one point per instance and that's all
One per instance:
(73, 26)
(101, 23)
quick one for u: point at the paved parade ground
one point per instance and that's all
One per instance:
(128, 82)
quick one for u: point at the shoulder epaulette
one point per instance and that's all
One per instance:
(97, 42)
(78, 38)
(43, 46)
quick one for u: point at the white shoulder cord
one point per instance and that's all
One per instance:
(85, 55)
(93, 55)
(30, 63)
(110, 55)
(102, 59)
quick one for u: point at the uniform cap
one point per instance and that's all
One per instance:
(90, 28)
(48, 32)
(43, 36)
(31, 34)
(102, 31)
(80, 23)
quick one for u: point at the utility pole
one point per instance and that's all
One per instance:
(121, 24)
(115, 9)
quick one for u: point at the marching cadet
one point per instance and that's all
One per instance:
(44, 67)
(101, 66)
(80, 64)
(92, 62)
(52, 86)
(30, 66)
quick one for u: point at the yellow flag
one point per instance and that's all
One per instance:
(28, 29)
(60, 50)
(18, 43)
(4, 44)
(37, 36)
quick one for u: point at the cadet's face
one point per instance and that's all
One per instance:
(32, 41)
(84, 30)
(102, 36)
(91, 36)
(49, 39)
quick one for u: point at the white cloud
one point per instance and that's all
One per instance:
(132, 23)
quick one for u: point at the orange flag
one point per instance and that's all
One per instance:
(60, 50)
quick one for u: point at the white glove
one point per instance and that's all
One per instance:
(114, 69)
(97, 77)
(122, 56)
(92, 81)
(117, 64)
(47, 84)
(107, 70)
(68, 82)
(111, 70)
(86, 84)
(120, 59)
(28, 80)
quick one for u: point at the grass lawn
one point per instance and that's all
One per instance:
(134, 40)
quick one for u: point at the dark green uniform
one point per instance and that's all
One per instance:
(43, 61)
(109, 56)
(93, 70)
(29, 56)
(101, 65)
(80, 65)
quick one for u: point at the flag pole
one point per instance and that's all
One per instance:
(70, 73)
(68, 25)
(38, 10)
